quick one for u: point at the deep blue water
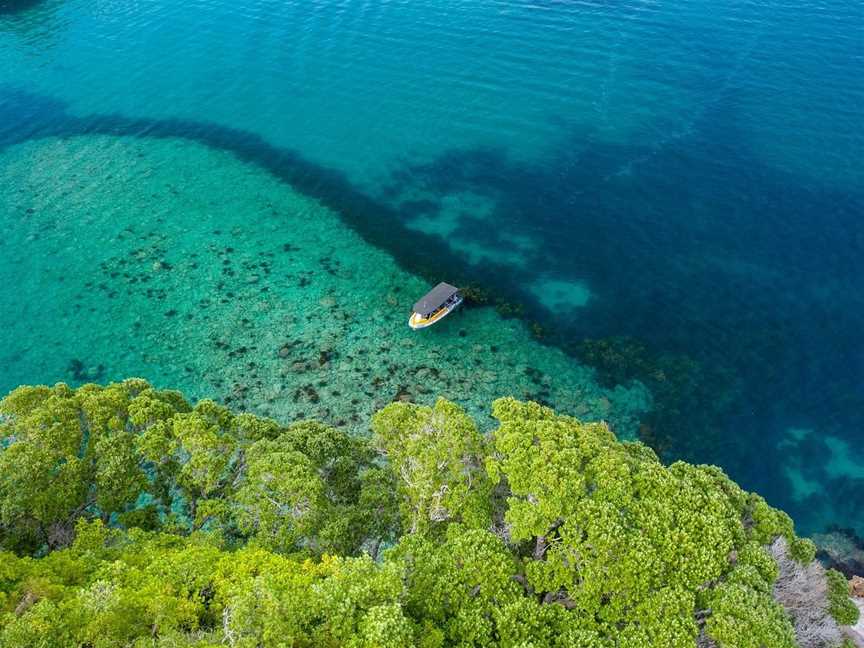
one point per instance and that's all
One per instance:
(689, 175)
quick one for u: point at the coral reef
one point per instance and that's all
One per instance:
(251, 294)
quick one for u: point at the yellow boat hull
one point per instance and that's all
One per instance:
(417, 321)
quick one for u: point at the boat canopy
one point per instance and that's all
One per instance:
(434, 299)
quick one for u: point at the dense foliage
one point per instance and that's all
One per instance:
(130, 517)
(840, 605)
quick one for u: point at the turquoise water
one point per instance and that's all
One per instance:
(242, 200)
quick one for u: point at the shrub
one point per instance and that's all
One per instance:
(803, 550)
(840, 606)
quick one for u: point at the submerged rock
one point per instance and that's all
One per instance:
(842, 550)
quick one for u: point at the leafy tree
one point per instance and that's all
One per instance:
(605, 529)
(803, 550)
(437, 453)
(743, 617)
(459, 584)
(137, 456)
(282, 499)
(313, 488)
(69, 453)
(194, 454)
(840, 606)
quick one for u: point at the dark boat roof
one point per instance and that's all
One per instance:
(434, 299)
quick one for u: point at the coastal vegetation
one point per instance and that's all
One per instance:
(132, 517)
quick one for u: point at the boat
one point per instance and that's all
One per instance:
(434, 306)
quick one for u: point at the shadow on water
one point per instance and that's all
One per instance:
(730, 288)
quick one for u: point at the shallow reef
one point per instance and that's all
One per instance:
(182, 264)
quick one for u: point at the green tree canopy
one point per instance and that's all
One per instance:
(135, 456)
(129, 517)
(437, 453)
